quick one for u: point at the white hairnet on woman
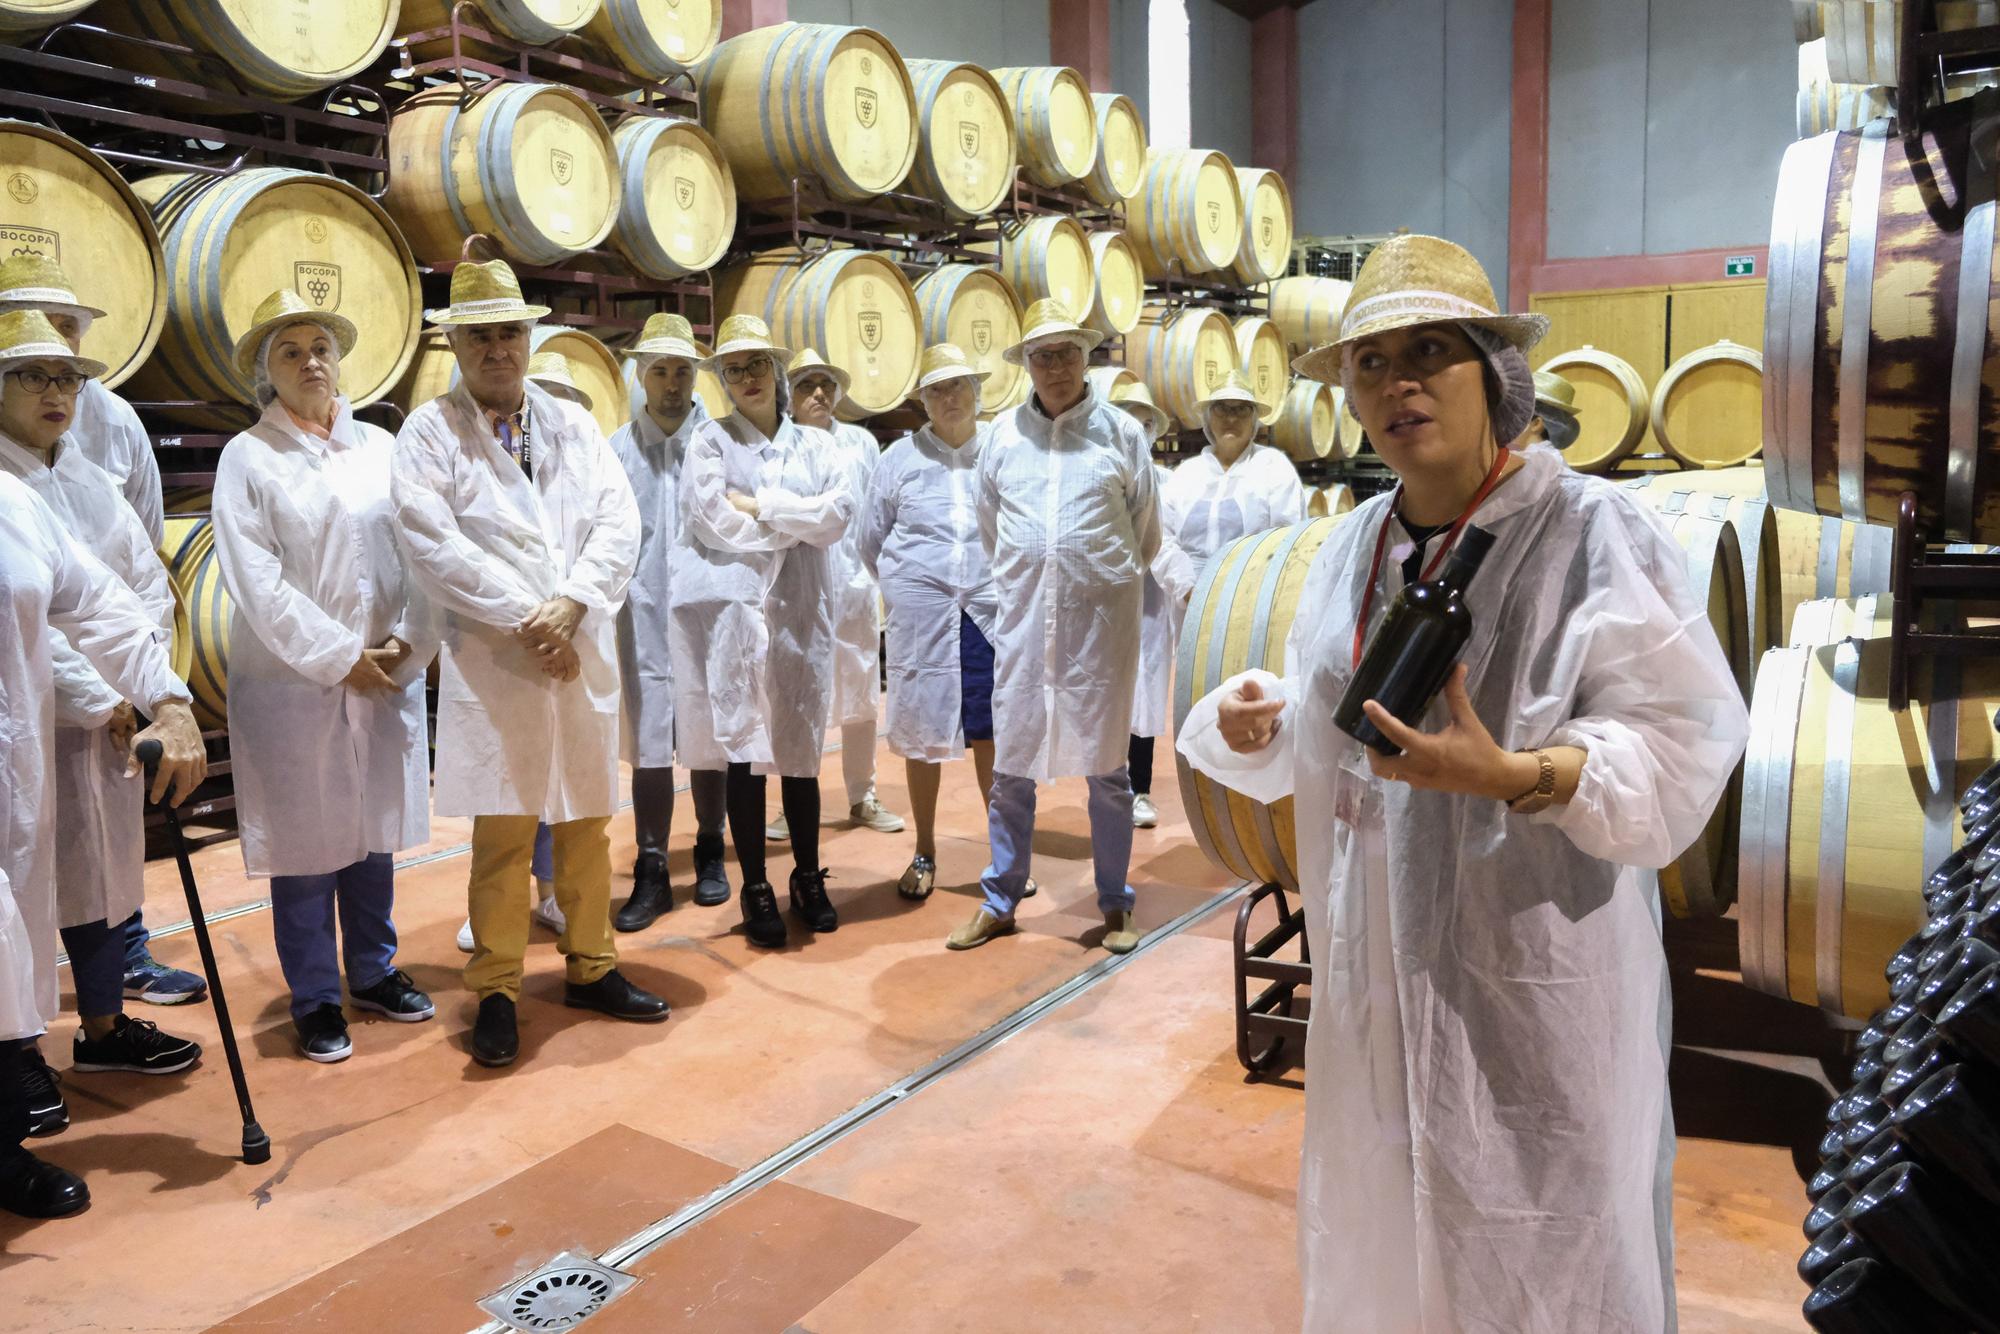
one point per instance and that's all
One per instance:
(1488, 1138)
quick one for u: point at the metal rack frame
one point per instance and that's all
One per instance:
(1267, 1016)
(1920, 577)
(476, 49)
(1028, 200)
(910, 225)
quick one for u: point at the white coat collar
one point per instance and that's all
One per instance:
(650, 435)
(1541, 470)
(1074, 416)
(467, 420)
(23, 462)
(927, 442)
(277, 427)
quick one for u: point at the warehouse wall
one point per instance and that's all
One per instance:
(1128, 51)
(1219, 58)
(986, 32)
(1404, 116)
(1667, 120)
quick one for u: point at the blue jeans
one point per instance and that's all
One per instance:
(136, 936)
(302, 916)
(1010, 827)
(96, 966)
(545, 850)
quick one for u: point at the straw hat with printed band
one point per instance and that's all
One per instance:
(745, 333)
(486, 293)
(552, 368)
(286, 307)
(27, 335)
(1233, 389)
(1137, 399)
(667, 335)
(1412, 280)
(1048, 320)
(37, 280)
(809, 362)
(1555, 404)
(946, 361)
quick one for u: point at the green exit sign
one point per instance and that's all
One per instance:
(1739, 266)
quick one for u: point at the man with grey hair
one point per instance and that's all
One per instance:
(1069, 514)
(519, 521)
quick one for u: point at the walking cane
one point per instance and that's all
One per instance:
(256, 1144)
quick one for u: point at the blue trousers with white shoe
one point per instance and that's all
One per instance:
(303, 908)
(1010, 827)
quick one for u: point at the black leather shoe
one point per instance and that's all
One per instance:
(48, 1114)
(495, 1039)
(652, 895)
(760, 916)
(35, 1188)
(711, 878)
(614, 994)
(809, 902)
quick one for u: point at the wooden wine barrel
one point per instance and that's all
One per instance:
(975, 309)
(1308, 426)
(63, 201)
(1120, 167)
(1307, 310)
(1735, 495)
(1182, 356)
(1353, 437)
(709, 389)
(1879, 333)
(1188, 215)
(1238, 617)
(1611, 406)
(284, 55)
(1847, 805)
(533, 22)
(434, 371)
(1806, 25)
(677, 200)
(1863, 37)
(1118, 284)
(810, 100)
(529, 164)
(230, 241)
(656, 39)
(1107, 381)
(1049, 256)
(1261, 356)
(854, 307)
(1325, 501)
(1824, 107)
(1708, 408)
(965, 137)
(1265, 251)
(196, 574)
(1820, 556)
(1055, 125)
(25, 18)
(1022, 388)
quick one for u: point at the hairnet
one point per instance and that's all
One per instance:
(1511, 408)
(84, 319)
(261, 386)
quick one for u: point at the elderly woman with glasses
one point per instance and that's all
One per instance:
(751, 629)
(329, 639)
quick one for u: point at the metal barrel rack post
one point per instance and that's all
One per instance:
(1929, 586)
(1265, 1022)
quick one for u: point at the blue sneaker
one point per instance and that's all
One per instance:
(156, 984)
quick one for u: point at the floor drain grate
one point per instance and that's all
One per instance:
(562, 1294)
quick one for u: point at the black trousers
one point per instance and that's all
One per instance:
(1139, 759)
(653, 807)
(745, 794)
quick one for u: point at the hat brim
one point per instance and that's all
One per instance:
(1233, 396)
(451, 317)
(51, 352)
(713, 360)
(47, 300)
(557, 389)
(1323, 362)
(830, 371)
(1155, 418)
(345, 335)
(659, 349)
(1018, 354)
(1559, 421)
(953, 373)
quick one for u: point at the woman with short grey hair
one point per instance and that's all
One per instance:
(329, 639)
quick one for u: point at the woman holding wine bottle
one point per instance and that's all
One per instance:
(1488, 1140)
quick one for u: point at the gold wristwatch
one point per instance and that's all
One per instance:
(1543, 794)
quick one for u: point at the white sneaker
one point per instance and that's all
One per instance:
(465, 937)
(1143, 814)
(547, 912)
(778, 831)
(872, 814)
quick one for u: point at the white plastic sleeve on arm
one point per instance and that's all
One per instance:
(1263, 775)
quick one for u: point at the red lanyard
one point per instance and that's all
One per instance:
(1451, 540)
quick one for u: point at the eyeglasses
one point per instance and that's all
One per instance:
(755, 369)
(1050, 358)
(69, 383)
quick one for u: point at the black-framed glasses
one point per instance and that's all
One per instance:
(69, 383)
(754, 369)
(1049, 358)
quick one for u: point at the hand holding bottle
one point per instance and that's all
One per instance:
(1462, 759)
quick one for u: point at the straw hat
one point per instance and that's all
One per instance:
(745, 333)
(284, 307)
(1412, 280)
(486, 293)
(1138, 400)
(37, 280)
(946, 361)
(27, 335)
(1555, 404)
(667, 336)
(809, 362)
(551, 370)
(1049, 318)
(1233, 389)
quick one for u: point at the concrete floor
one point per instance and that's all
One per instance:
(1105, 1168)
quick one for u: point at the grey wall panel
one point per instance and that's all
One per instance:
(1128, 50)
(1478, 129)
(821, 11)
(1219, 66)
(986, 32)
(1597, 127)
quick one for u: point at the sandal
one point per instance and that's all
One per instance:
(919, 879)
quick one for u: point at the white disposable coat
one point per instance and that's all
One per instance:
(306, 533)
(920, 535)
(488, 546)
(47, 580)
(1488, 1138)
(1208, 506)
(1069, 513)
(752, 620)
(652, 461)
(857, 607)
(99, 812)
(112, 438)
(1167, 582)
